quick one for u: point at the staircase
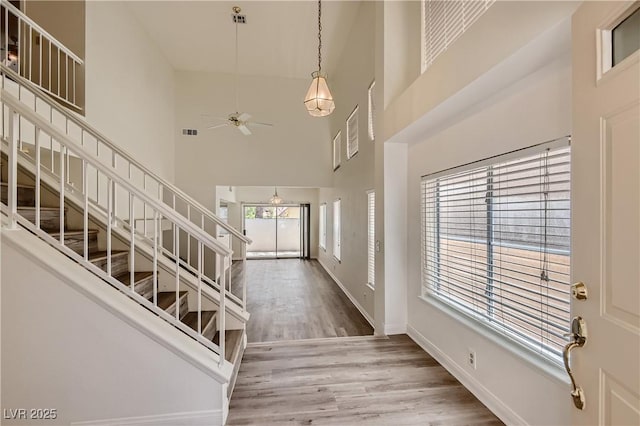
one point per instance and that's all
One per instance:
(71, 187)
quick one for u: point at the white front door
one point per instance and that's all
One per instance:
(606, 214)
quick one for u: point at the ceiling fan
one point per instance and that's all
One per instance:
(240, 120)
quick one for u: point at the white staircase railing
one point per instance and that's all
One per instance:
(55, 155)
(82, 135)
(34, 54)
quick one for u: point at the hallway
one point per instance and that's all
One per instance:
(292, 299)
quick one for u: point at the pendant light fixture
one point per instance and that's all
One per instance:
(319, 101)
(275, 198)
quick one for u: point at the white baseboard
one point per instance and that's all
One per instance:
(192, 418)
(364, 313)
(391, 329)
(493, 403)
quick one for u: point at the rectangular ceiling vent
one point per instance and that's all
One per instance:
(239, 19)
(190, 132)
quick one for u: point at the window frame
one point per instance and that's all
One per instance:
(371, 111)
(337, 229)
(337, 150)
(444, 38)
(457, 309)
(352, 121)
(322, 226)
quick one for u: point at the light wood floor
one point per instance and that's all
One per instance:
(350, 381)
(292, 299)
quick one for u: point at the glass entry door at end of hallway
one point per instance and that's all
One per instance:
(274, 230)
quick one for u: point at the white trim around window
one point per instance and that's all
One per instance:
(337, 148)
(322, 226)
(496, 244)
(371, 238)
(372, 111)
(337, 229)
(352, 133)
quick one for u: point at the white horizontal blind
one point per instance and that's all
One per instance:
(352, 133)
(371, 238)
(322, 226)
(372, 111)
(496, 244)
(444, 22)
(337, 231)
(337, 147)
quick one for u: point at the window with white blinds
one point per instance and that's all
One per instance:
(337, 147)
(371, 238)
(372, 111)
(322, 226)
(337, 231)
(444, 22)
(496, 243)
(352, 133)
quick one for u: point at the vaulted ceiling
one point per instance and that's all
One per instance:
(278, 39)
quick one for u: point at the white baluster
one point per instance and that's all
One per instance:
(12, 157)
(222, 313)
(155, 259)
(132, 249)
(176, 250)
(37, 160)
(85, 212)
(199, 288)
(109, 222)
(62, 148)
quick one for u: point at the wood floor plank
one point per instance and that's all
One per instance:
(292, 299)
(345, 381)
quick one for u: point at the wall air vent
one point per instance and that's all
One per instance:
(190, 132)
(239, 19)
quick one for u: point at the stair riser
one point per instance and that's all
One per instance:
(184, 307)
(119, 264)
(26, 196)
(145, 287)
(49, 219)
(76, 243)
(209, 330)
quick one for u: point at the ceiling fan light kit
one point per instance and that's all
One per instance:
(319, 101)
(237, 119)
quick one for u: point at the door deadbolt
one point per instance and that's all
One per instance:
(579, 339)
(579, 291)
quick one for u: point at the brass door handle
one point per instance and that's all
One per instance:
(579, 335)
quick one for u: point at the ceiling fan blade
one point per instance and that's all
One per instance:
(217, 126)
(257, 123)
(244, 117)
(244, 129)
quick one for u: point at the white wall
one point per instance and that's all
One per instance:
(72, 343)
(291, 153)
(536, 109)
(129, 86)
(355, 176)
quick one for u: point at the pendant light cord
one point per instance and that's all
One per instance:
(319, 36)
(237, 96)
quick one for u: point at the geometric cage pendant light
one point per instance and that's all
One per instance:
(319, 101)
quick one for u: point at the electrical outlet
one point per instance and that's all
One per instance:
(472, 358)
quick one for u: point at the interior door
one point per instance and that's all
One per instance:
(606, 215)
